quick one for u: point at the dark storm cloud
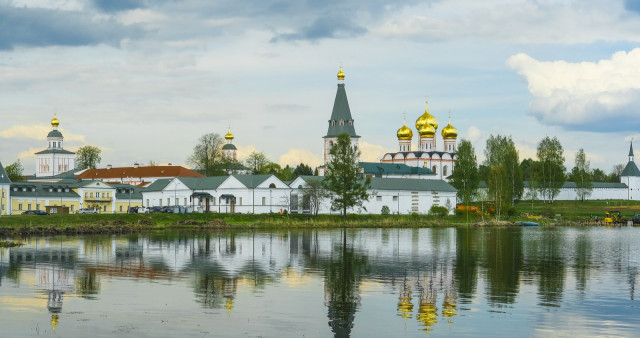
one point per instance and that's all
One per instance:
(111, 6)
(37, 27)
(632, 5)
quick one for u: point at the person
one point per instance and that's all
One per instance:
(597, 219)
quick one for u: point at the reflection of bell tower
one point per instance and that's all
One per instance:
(449, 304)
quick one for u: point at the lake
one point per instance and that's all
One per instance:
(445, 282)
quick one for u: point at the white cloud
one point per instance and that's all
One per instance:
(587, 95)
(514, 21)
(244, 151)
(36, 133)
(474, 134)
(296, 156)
(372, 152)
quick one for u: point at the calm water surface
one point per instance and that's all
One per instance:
(451, 282)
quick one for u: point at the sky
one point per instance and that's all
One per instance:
(144, 79)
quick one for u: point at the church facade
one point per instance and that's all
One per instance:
(55, 159)
(439, 161)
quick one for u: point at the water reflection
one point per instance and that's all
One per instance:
(428, 279)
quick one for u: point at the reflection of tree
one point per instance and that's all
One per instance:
(583, 261)
(215, 292)
(466, 264)
(551, 267)
(87, 283)
(342, 279)
(504, 264)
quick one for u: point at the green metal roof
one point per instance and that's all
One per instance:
(631, 169)
(4, 178)
(203, 183)
(631, 149)
(158, 185)
(122, 191)
(341, 116)
(573, 185)
(42, 190)
(374, 168)
(229, 146)
(54, 133)
(251, 181)
(55, 151)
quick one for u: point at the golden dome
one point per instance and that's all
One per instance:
(449, 132)
(340, 74)
(405, 133)
(229, 136)
(427, 130)
(426, 118)
(54, 122)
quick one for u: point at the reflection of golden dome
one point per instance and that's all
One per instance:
(340, 74)
(54, 321)
(427, 314)
(54, 122)
(449, 132)
(449, 305)
(426, 118)
(405, 133)
(427, 130)
(229, 136)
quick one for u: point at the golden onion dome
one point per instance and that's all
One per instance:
(426, 118)
(54, 122)
(340, 74)
(229, 136)
(427, 130)
(449, 132)
(405, 133)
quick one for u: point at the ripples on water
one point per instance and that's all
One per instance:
(353, 282)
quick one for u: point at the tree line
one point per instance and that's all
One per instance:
(505, 175)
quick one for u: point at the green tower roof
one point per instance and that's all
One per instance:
(341, 121)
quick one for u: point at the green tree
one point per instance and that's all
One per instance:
(526, 166)
(549, 174)
(14, 171)
(344, 177)
(504, 176)
(597, 175)
(255, 161)
(616, 171)
(207, 155)
(315, 193)
(88, 157)
(580, 174)
(465, 173)
(286, 174)
(302, 170)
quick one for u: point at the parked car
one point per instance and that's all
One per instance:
(87, 211)
(35, 212)
(155, 209)
(143, 210)
(132, 210)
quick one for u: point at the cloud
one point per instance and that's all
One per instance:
(38, 27)
(601, 97)
(372, 152)
(244, 151)
(118, 5)
(474, 134)
(296, 156)
(324, 28)
(36, 133)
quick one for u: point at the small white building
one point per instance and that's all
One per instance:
(400, 195)
(5, 192)
(256, 194)
(55, 159)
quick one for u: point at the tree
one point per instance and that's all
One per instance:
(271, 168)
(315, 193)
(207, 155)
(526, 166)
(504, 174)
(255, 161)
(465, 173)
(286, 174)
(616, 171)
(88, 157)
(597, 175)
(549, 174)
(581, 176)
(302, 170)
(14, 171)
(344, 177)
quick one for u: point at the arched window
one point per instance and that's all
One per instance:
(444, 171)
(434, 169)
(272, 186)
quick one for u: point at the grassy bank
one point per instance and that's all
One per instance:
(557, 213)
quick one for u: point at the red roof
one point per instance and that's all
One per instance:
(138, 172)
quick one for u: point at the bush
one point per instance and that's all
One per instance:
(512, 211)
(438, 211)
(385, 210)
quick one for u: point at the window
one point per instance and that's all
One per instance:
(213, 201)
(159, 201)
(72, 208)
(177, 203)
(444, 171)
(378, 198)
(434, 169)
(120, 208)
(272, 186)
(86, 194)
(264, 201)
(105, 208)
(148, 202)
(28, 206)
(185, 201)
(19, 206)
(168, 201)
(91, 194)
(395, 198)
(240, 201)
